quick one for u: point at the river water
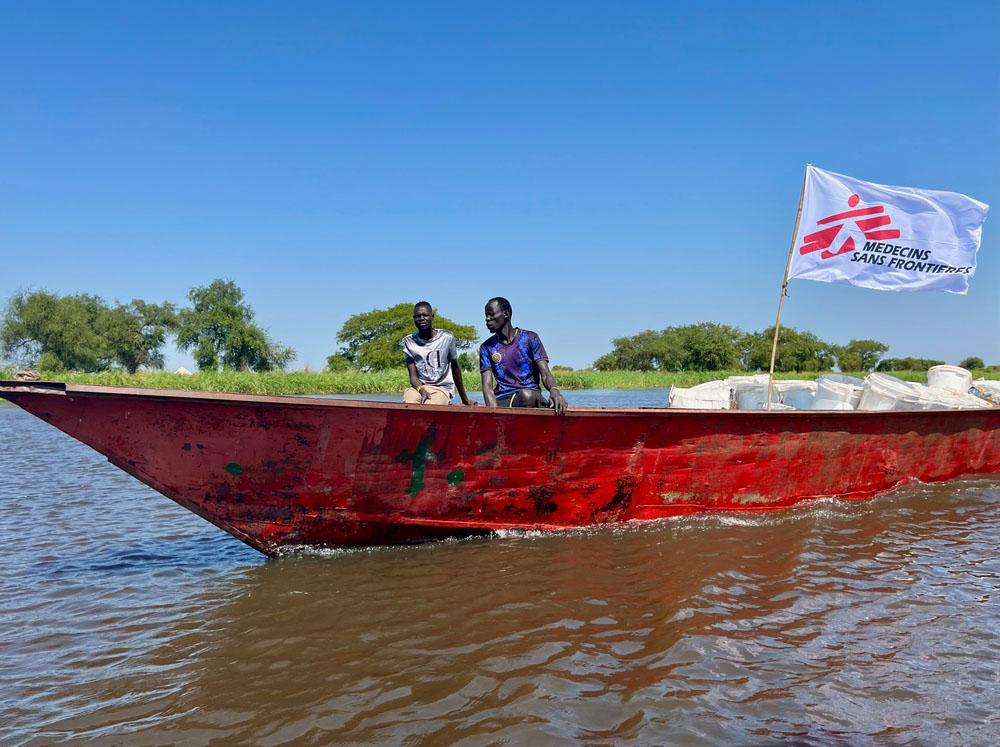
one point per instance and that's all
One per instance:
(125, 619)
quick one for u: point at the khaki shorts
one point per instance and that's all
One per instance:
(428, 395)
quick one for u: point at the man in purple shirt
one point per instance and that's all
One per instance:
(513, 362)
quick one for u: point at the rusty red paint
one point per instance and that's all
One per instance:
(280, 471)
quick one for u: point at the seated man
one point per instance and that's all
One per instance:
(512, 362)
(431, 361)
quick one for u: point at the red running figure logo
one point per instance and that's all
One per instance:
(824, 238)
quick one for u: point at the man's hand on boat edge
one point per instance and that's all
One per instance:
(557, 402)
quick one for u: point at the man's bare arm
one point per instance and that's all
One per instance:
(488, 394)
(411, 369)
(558, 401)
(456, 374)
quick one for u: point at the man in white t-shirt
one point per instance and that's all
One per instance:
(432, 362)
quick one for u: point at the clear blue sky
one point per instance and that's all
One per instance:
(609, 167)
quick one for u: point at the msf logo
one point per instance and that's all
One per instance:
(872, 227)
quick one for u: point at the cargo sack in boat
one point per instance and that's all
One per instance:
(883, 392)
(798, 395)
(750, 392)
(735, 381)
(712, 395)
(753, 396)
(955, 401)
(838, 392)
(987, 390)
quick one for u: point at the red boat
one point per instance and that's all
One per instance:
(280, 472)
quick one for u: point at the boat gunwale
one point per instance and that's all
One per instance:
(60, 388)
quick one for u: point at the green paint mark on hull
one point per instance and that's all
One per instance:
(419, 458)
(234, 469)
(456, 476)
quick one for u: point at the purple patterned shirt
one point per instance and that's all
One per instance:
(513, 365)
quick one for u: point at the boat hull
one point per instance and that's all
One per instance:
(279, 472)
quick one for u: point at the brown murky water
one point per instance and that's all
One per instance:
(125, 619)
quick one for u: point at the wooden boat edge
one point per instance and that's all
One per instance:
(61, 388)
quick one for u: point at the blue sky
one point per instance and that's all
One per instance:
(608, 167)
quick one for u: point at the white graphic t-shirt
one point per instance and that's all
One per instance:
(432, 358)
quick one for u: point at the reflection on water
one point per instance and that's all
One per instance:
(128, 619)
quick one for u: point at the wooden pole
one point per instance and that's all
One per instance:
(784, 289)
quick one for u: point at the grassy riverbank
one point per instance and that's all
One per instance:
(357, 382)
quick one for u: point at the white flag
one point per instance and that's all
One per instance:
(888, 238)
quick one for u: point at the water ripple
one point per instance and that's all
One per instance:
(127, 619)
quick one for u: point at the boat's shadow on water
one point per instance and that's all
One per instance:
(720, 628)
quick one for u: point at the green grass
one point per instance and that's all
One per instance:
(292, 382)
(357, 382)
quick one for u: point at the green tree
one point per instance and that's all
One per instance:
(50, 362)
(647, 351)
(709, 346)
(972, 362)
(469, 362)
(706, 346)
(371, 340)
(82, 333)
(797, 351)
(135, 333)
(338, 362)
(60, 330)
(219, 328)
(860, 355)
(906, 364)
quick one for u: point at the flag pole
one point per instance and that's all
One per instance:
(784, 288)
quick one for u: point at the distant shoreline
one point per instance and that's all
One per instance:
(395, 380)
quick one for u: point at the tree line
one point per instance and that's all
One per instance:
(708, 346)
(370, 342)
(85, 333)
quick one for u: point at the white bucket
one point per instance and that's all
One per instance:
(799, 395)
(883, 392)
(833, 394)
(707, 398)
(952, 378)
